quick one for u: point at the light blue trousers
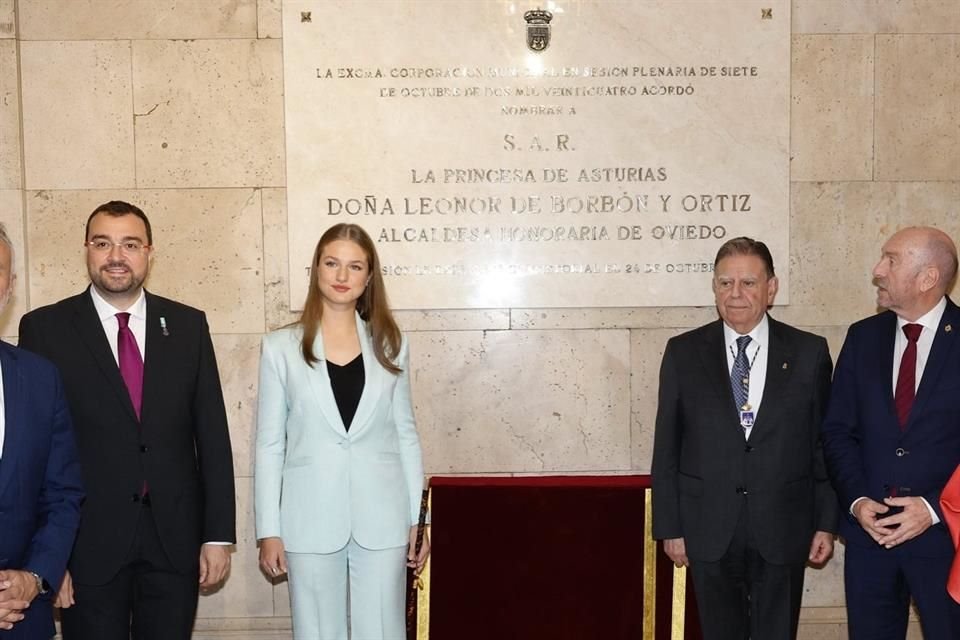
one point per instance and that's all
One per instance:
(318, 586)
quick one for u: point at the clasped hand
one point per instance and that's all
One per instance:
(892, 530)
(17, 591)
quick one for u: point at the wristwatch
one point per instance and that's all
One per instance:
(42, 588)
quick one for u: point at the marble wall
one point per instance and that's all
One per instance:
(178, 105)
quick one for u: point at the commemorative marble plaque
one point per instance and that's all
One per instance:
(552, 154)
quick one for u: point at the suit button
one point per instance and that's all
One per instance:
(135, 497)
(144, 448)
(741, 491)
(901, 452)
(748, 449)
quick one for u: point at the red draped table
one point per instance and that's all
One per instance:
(552, 557)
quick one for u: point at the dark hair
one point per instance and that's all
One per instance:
(118, 208)
(372, 304)
(744, 246)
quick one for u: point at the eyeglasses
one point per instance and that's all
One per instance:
(127, 247)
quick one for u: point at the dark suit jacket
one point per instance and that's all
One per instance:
(181, 445)
(867, 453)
(702, 465)
(40, 489)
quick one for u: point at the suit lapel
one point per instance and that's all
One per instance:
(713, 358)
(883, 362)
(319, 379)
(779, 371)
(940, 353)
(90, 330)
(12, 415)
(159, 358)
(372, 378)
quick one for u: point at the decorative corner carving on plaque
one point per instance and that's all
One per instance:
(306, 16)
(538, 29)
(766, 14)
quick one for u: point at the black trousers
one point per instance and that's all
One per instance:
(148, 599)
(742, 596)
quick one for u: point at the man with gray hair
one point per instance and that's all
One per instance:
(740, 490)
(892, 440)
(40, 489)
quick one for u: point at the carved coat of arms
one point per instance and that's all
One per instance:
(538, 29)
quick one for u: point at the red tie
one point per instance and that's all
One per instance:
(907, 378)
(130, 361)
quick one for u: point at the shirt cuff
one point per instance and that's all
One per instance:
(854, 503)
(933, 514)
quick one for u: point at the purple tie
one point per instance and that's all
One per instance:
(907, 377)
(131, 363)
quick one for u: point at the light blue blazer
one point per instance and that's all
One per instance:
(316, 484)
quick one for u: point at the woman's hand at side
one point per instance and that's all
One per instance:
(414, 560)
(273, 559)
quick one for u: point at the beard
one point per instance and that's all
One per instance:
(124, 282)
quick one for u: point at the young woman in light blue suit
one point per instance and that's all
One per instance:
(338, 472)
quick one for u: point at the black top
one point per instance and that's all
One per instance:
(347, 382)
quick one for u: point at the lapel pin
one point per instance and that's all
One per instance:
(948, 328)
(163, 326)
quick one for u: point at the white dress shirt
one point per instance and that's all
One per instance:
(758, 351)
(930, 321)
(108, 317)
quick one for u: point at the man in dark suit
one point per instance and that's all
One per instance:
(892, 440)
(740, 491)
(144, 391)
(39, 482)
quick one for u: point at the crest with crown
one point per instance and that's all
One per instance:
(538, 29)
(538, 16)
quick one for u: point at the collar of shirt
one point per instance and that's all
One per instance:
(106, 310)
(930, 321)
(759, 336)
(108, 318)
